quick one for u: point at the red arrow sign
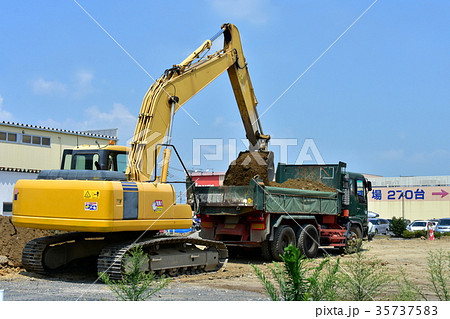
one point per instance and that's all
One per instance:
(442, 193)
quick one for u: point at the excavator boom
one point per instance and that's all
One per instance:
(180, 83)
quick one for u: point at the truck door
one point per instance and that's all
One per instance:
(361, 195)
(358, 202)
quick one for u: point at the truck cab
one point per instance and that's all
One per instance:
(359, 187)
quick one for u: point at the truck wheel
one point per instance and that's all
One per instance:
(308, 240)
(354, 240)
(284, 236)
(266, 251)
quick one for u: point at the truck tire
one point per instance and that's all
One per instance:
(284, 236)
(266, 251)
(354, 240)
(308, 240)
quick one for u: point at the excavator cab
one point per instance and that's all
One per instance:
(109, 158)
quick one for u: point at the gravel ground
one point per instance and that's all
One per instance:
(235, 282)
(27, 288)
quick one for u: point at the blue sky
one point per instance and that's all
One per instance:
(378, 99)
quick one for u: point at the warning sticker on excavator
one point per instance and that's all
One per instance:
(91, 194)
(158, 206)
(91, 206)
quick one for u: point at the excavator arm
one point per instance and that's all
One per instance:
(180, 83)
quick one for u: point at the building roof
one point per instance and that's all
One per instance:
(203, 173)
(410, 181)
(19, 170)
(51, 129)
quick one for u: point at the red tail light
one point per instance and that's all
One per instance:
(207, 221)
(258, 222)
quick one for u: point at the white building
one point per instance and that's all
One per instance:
(418, 197)
(27, 149)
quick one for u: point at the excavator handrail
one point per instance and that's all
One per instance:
(154, 179)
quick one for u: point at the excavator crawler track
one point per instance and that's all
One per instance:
(33, 254)
(171, 256)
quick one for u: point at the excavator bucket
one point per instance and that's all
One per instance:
(248, 165)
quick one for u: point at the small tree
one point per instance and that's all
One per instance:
(398, 226)
(296, 281)
(439, 272)
(324, 281)
(136, 285)
(292, 282)
(406, 290)
(362, 278)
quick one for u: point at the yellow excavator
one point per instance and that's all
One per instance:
(106, 212)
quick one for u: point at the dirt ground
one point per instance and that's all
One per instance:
(13, 239)
(238, 274)
(410, 254)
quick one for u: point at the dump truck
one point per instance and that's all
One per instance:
(272, 217)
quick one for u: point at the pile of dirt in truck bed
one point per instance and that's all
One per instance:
(303, 183)
(250, 164)
(13, 239)
(245, 167)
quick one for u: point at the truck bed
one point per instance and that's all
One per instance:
(235, 200)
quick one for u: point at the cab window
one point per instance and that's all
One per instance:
(360, 190)
(352, 187)
(122, 162)
(86, 161)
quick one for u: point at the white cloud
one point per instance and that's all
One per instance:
(430, 156)
(392, 155)
(79, 86)
(84, 78)
(4, 115)
(96, 119)
(82, 84)
(42, 87)
(118, 112)
(254, 11)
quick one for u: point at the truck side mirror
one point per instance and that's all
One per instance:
(369, 186)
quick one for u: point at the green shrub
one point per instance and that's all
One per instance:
(292, 282)
(408, 234)
(420, 233)
(398, 226)
(414, 234)
(324, 281)
(406, 290)
(439, 272)
(295, 281)
(363, 278)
